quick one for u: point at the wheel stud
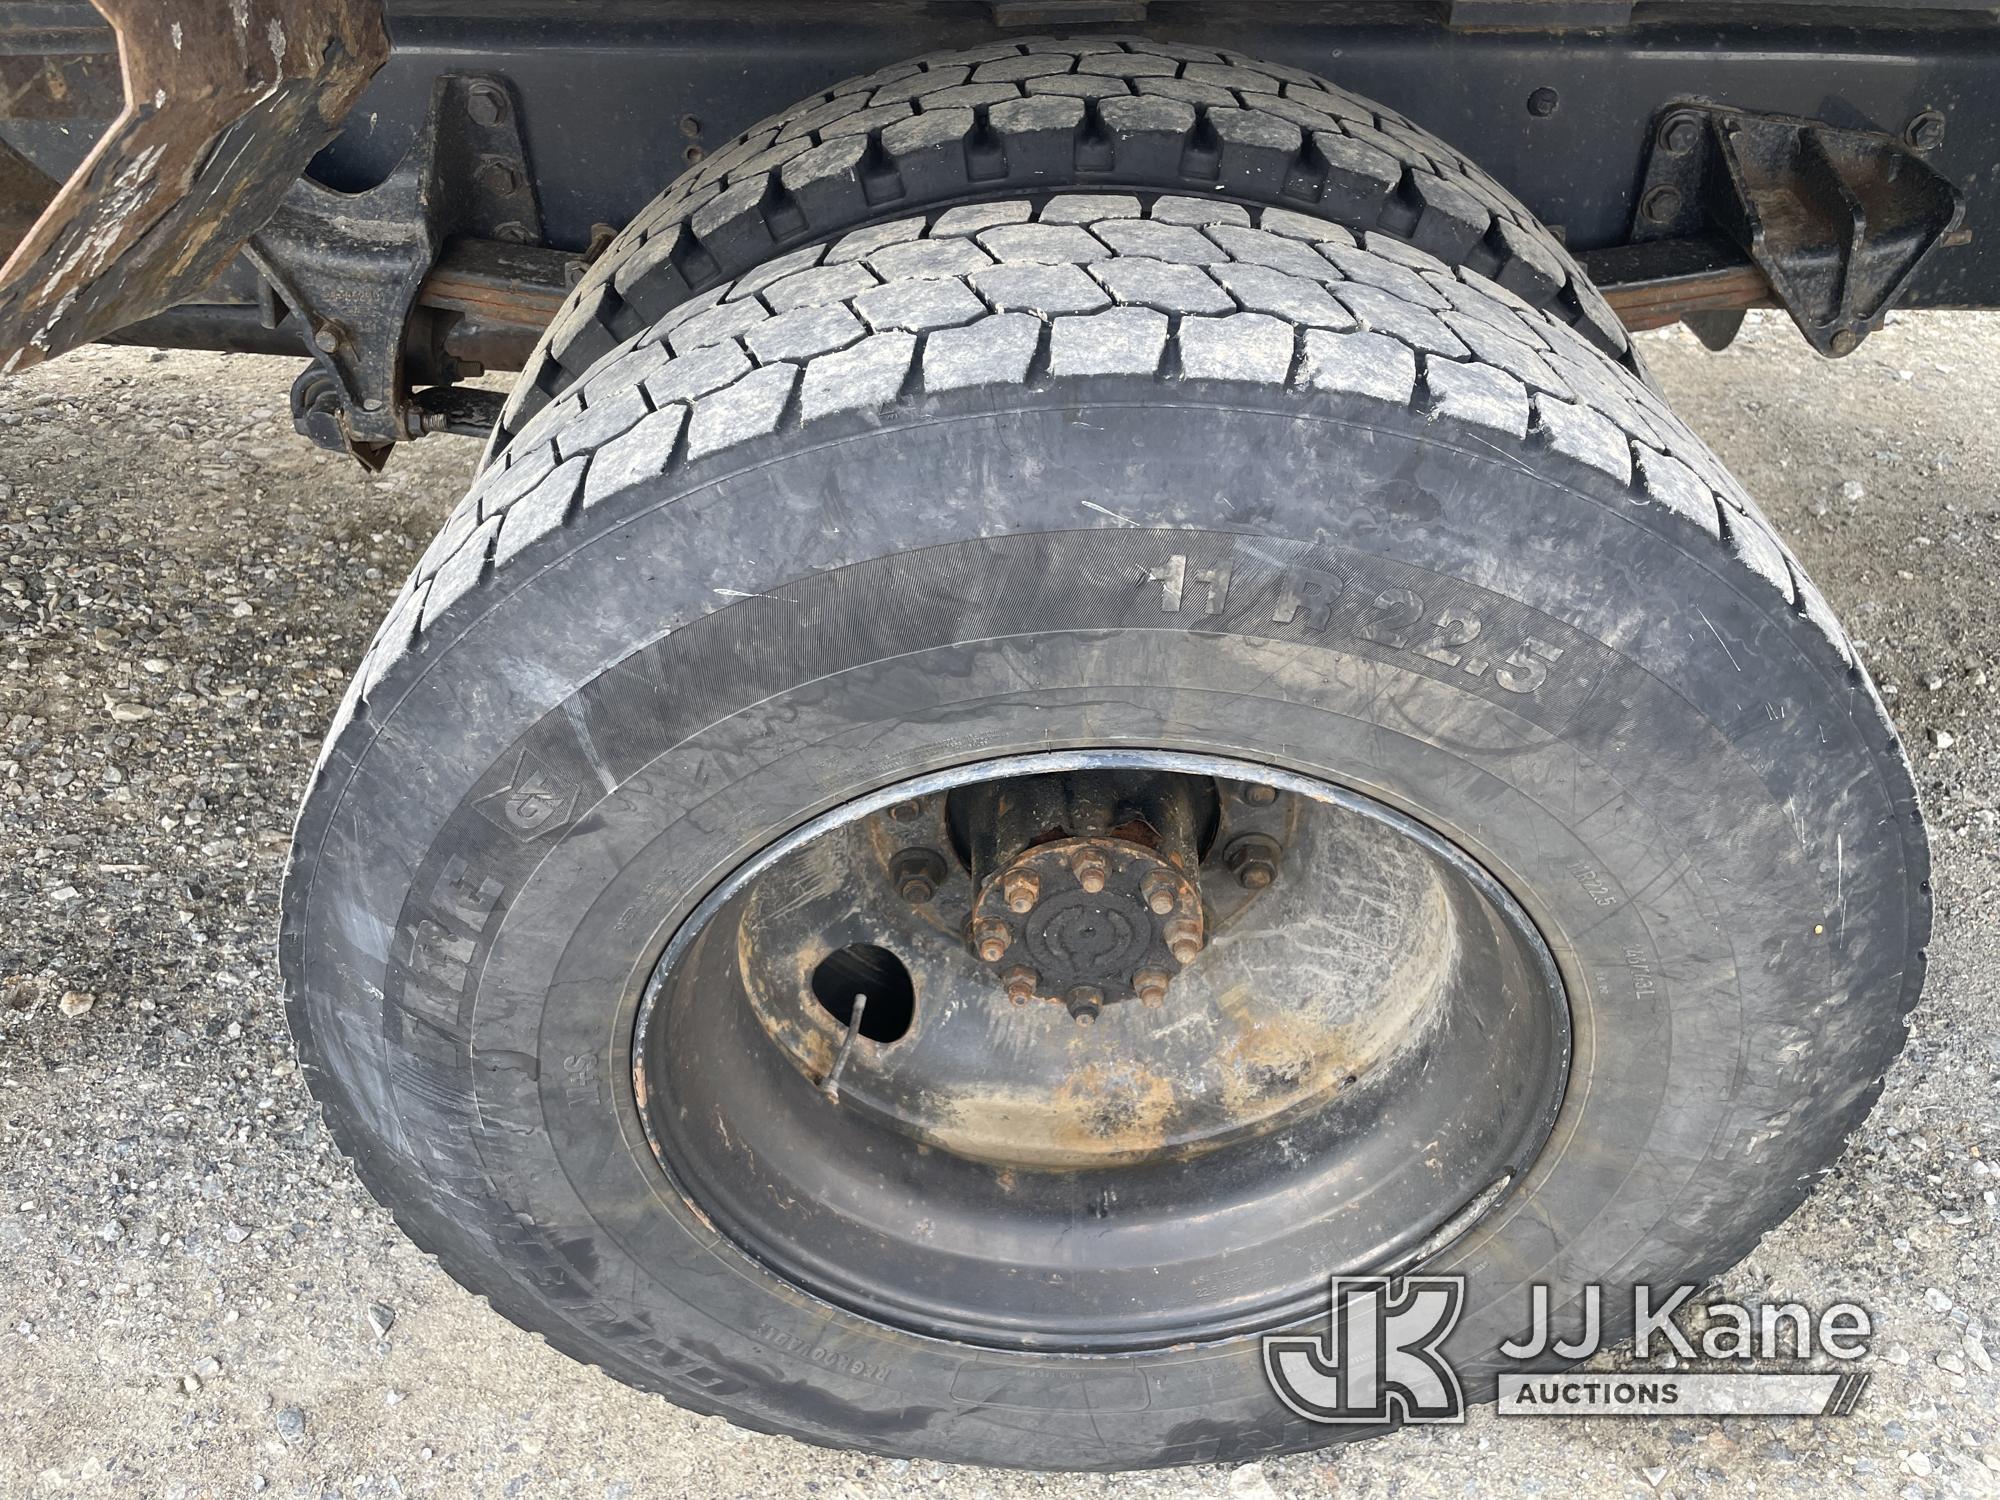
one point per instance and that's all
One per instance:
(994, 939)
(917, 874)
(1253, 860)
(1021, 890)
(1161, 894)
(1183, 936)
(1084, 1002)
(1022, 982)
(1150, 985)
(1091, 870)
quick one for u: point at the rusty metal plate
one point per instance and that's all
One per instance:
(226, 101)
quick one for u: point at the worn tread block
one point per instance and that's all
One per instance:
(1669, 482)
(867, 376)
(919, 306)
(1036, 288)
(1477, 395)
(1577, 432)
(541, 510)
(639, 455)
(805, 332)
(707, 369)
(1162, 284)
(1117, 341)
(993, 351)
(1242, 346)
(461, 571)
(1381, 312)
(736, 413)
(1359, 364)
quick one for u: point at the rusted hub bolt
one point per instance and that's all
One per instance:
(1161, 894)
(1091, 870)
(1020, 890)
(993, 939)
(1183, 936)
(1151, 985)
(1259, 795)
(1022, 982)
(917, 874)
(1253, 860)
(1085, 1001)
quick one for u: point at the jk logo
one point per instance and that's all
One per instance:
(1379, 1359)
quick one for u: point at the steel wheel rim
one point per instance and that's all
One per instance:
(877, 1267)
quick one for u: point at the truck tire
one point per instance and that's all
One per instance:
(1038, 115)
(1042, 485)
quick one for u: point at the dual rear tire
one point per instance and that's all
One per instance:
(1041, 472)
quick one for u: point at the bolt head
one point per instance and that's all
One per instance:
(1680, 135)
(917, 873)
(1183, 940)
(1662, 203)
(1253, 860)
(1925, 131)
(1161, 893)
(1084, 1002)
(907, 812)
(486, 104)
(1091, 871)
(326, 338)
(499, 178)
(1259, 795)
(1846, 341)
(1022, 982)
(1544, 102)
(1150, 985)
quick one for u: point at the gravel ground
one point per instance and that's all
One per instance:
(197, 1297)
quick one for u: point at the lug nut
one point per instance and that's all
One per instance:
(1091, 870)
(1022, 982)
(1021, 890)
(1184, 940)
(1151, 985)
(993, 938)
(917, 874)
(1253, 860)
(1161, 893)
(1084, 1002)
(1259, 795)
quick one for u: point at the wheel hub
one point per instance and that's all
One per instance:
(1086, 896)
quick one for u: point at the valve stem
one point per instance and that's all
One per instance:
(830, 1085)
